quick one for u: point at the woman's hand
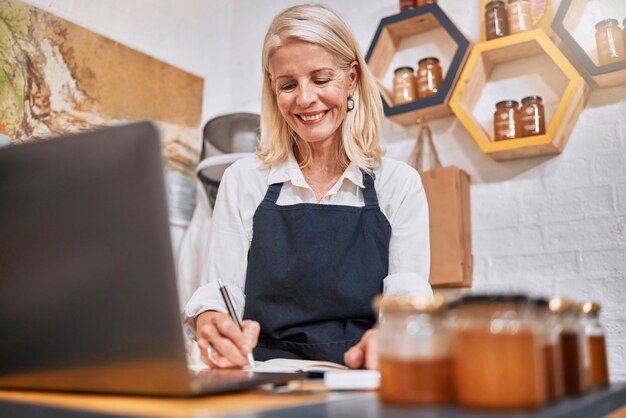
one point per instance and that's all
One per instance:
(222, 344)
(365, 353)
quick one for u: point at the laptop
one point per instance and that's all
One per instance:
(88, 294)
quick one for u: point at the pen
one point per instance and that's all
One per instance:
(233, 314)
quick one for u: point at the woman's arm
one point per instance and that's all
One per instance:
(205, 315)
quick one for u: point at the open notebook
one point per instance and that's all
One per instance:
(283, 365)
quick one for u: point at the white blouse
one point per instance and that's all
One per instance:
(400, 196)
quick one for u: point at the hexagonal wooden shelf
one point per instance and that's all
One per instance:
(574, 25)
(496, 69)
(425, 30)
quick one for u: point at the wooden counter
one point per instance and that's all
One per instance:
(310, 400)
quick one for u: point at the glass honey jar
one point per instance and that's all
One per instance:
(415, 350)
(499, 362)
(496, 20)
(598, 369)
(520, 15)
(429, 77)
(404, 87)
(609, 42)
(532, 116)
(549, 324)
(506, 120)
(572, 346)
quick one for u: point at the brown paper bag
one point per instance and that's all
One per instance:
(448, 193)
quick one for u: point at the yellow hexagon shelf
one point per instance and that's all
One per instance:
(503, 69)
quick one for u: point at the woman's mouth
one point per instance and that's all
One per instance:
(312, 117)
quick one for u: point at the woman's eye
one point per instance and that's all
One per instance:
(287, 86)
(321, 81)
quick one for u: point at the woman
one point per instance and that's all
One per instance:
(311, 229)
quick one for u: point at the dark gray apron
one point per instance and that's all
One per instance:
(313, 271)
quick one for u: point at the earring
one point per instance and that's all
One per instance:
(350, 103)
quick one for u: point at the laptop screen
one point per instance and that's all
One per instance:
(88, 297)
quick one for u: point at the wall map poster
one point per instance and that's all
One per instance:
(57, 77)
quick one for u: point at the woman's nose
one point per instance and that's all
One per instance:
(306, 95)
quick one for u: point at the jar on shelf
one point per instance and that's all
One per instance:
(532, 116)
(520, 15)
(506, 120)
(424, 2)
(496, 20)
(404, 87)
(609, 42)
(406, 5)
(429, 77)
(572, 346)
(551, 329)
(598, 370)
(415, 351)
(499, 362)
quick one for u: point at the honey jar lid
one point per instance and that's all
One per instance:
(403, 69)
(478, 298)
(589, 308)
(433, 59)
(494, 3)
(560, 305)
(540, 302)
(410, 303)
(606, 22)
(507, 102)
(528, 98)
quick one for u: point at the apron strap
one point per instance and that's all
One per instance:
(369, 194)
(273, 191)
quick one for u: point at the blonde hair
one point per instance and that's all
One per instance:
(360, 129)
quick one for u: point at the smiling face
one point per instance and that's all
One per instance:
(311, 90)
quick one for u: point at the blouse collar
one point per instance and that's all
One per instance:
(290, 171)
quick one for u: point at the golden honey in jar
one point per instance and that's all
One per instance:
(520, 15)
(506, 120)
(499, 361)
(532, 116)
(573, 347)
(429, 77)
(550, 326)
(609, 42)
(415, 351)
(404, 88)
(598, 369)
(496, 20)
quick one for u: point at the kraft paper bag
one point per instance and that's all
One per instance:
(448, 194)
